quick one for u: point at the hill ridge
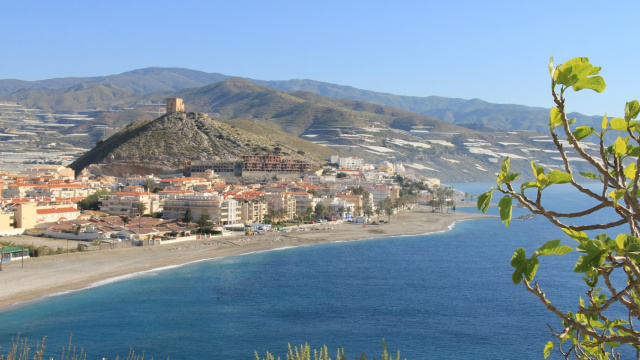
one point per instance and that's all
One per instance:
(452, 110)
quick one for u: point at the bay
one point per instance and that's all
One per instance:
(447, 295)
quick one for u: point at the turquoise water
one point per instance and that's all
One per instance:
(440, 296)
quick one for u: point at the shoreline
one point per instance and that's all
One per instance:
(55, 275)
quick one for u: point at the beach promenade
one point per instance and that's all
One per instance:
(44, 276)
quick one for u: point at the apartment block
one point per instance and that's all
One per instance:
(277, 201)
(273, 163)
(220, 210)
(253, 211)
(126, 203)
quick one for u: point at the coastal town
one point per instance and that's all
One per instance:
(106, 212)
(76, 223)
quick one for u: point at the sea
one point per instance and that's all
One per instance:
(446, 295)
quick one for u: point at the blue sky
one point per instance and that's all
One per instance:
(493, 50)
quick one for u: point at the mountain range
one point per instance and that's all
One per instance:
(473, 113)
(348, 120)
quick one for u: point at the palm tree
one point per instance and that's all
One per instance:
(148, 185)
(320, 210)
(204, 223)
(368, 212)
(188, 217)
(125, 220)
(452, 205)
(389, 211)
(282, 214)
(142, 207)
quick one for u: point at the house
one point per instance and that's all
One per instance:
(53, 215)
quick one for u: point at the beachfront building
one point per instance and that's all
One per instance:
(126, 203)
(220, 210)
(253, 211)
(304, 201)
(356, 199)
(277, 201)
(383, 192)
(339, 207)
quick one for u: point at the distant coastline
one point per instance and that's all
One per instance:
(51, 275)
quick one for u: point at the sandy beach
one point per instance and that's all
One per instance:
(53, 274)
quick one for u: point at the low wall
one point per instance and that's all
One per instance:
(195, 237)
(12, 232)
(70, 236)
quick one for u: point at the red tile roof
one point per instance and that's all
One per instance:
(56, 211)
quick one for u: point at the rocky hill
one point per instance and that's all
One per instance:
(167, 143)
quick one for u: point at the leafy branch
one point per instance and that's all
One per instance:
(593, 331)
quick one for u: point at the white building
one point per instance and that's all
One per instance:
(347, 162)
(337, 204)
(220, 210)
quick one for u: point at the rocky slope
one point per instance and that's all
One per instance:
(167, 143)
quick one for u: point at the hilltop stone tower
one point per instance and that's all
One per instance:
(174, 105)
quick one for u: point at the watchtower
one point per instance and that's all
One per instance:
(174, 105)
